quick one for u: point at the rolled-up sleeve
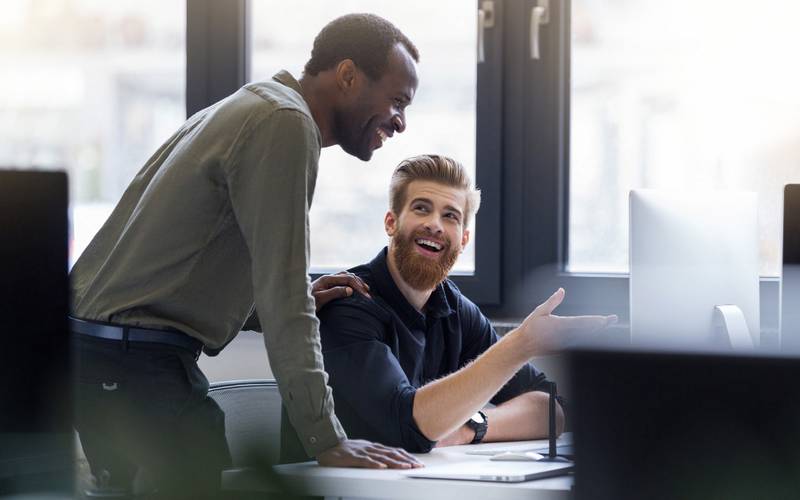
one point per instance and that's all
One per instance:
(374, 398)
(270, 186)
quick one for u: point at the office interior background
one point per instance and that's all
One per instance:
(625, 94)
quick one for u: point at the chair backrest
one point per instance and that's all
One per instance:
(252, 420)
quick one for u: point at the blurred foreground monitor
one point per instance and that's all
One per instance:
(688, 426)
(36, 439)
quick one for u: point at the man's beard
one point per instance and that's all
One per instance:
(422, 273)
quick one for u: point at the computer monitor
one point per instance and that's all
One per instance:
(790, 271)
(689, 426)
(36, 437)
(691, 252)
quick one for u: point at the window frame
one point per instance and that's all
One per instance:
(537, 182)
(217, 64)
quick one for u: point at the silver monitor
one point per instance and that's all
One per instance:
(790, 272)
(694, 269)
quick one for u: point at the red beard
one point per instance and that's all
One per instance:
(422, 273)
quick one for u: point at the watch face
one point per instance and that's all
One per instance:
(477, 418)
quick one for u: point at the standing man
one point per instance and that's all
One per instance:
(213, 228)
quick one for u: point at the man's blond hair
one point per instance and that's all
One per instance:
(435, 168)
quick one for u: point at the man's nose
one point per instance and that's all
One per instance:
(434, 224)
(399, 122)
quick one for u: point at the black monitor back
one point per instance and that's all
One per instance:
(688, 426)
(36, 440)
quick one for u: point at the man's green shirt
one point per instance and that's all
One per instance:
(214, 226)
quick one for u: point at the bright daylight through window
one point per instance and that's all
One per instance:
(91, 87)
(702, 96)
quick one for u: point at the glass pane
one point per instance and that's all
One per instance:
(91, 87)
(699, 97)
(352, 196)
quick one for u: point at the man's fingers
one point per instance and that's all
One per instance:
(549, 305)
(360, 453)
(322, 297)
(398, 457)
(336, 286)
(344, 457)
(343, 279)
(370, 462)
(390, 461)
(353, 277)
(587, 324)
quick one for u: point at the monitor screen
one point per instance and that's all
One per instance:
(690, 252)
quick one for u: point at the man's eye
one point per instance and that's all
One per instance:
(421, 209)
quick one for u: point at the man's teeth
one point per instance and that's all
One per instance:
(429, 243)
(382, 135)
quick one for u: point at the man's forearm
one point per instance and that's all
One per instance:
(521, 418)
(443, 405)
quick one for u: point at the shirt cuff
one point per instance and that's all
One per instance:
(414, 440)
(320, 436)
(310, 409)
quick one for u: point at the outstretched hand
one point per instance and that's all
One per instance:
(366, 454)
(545, 332)
(336, 286)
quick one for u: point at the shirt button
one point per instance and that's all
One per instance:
(312, 440)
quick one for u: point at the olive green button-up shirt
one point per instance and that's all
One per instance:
(214, 225)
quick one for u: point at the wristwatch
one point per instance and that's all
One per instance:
(478, 423)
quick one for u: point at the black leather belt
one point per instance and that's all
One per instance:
(134, 334)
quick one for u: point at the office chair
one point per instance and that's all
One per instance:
(253, 430)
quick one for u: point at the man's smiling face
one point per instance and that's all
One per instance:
(377, 110)
(429, 234)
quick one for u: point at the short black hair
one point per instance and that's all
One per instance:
(366, 39)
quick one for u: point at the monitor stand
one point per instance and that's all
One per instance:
(552, 455)
(730, 328)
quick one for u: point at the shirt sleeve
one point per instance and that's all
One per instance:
(373, 396)
(478, 335)
(270, 179)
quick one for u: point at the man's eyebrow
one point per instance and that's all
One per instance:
(454, 209)
(429, 202)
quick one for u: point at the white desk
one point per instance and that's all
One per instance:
(310, 479)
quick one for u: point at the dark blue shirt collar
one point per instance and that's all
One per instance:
(436, 307)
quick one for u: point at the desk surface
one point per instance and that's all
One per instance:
(308, 478)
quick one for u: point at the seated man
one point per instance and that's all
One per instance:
(414, 364)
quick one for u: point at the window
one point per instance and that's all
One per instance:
(351, 196)
(93, 88)
(662, 97)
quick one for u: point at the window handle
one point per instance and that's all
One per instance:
(485, 20)
(540, 15)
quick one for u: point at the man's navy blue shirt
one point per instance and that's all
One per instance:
(379, 351)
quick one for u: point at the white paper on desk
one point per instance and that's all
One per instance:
(485, 470)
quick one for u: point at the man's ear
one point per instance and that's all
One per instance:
(390, 223)
(464, 239)
(347, 76)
